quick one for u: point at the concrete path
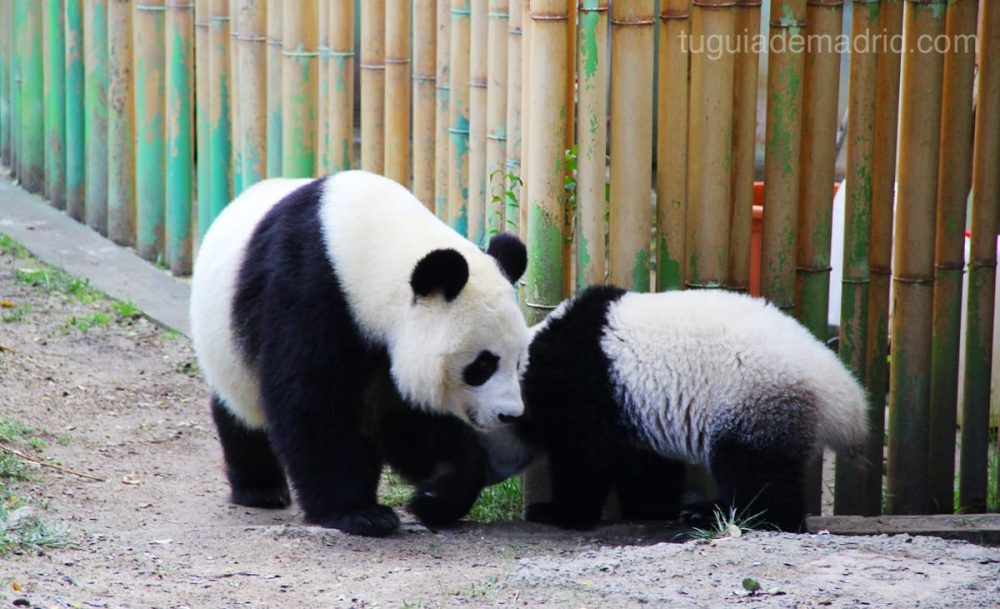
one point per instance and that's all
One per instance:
(57, 239)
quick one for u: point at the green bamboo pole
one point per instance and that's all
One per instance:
(526, 65)
(424, 99)
(512, 162)
(456, 214)
(324, 161)
(710, 147)
(179, 54)
(982, 270)
(954, 181)
(252, 100)
(342, 82)
(782, 153)
(150, 91)
(880, 254)
(857, 230)
(496, 115)
(235, 101)
(75, 121)
(298, 79)
(275, 61)
(745, 82)
(30, 36)
(15, 84)
(442, 108)
(913, 267)
(396, 99)
(372, 85)
(592, 143)
(121, 124)
(478, 27)
(5, 88)
(631, 136)
(219, 127)
(203, 165)
(55, 104)
(95, 33)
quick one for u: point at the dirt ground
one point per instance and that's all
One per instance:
(122, 402)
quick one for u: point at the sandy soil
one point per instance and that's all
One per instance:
(123, 403)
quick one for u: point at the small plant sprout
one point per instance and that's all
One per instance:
(730, 522)
(751, 585)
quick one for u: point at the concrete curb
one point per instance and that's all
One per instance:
(59, 240)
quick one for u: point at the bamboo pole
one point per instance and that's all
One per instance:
(5, 88)
(569, 143)
(982, 270)
(55, 104)
(252, 100)
(373, 85)
(150, 97)
(456, 214)
(341, 137)
(496, 116)
(592, 142)
(631, 142)
(954, 181)
(275, 10)
(478, 28)
(235, 103)
(179, 53)
(121, 124)
(15, 83)
(745, 81)
(782, 153)
(75, 123)
(30, 37)
(442, 111)
(857, 230)
(298, 79)
(512, 163)
(219, 127)
(880, 253)
(424, 100)
(95, 32)
(324, 160)
(397, 91)
(203, 165)
(710, 145)
(913, 268)
(526, 64)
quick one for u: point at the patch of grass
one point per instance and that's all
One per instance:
(483, 589)
(97, 319)
(171, 334)
(9, 246)
(51, 279)
(730, 523)
(125, 310)
(499, 502)
(15, 313)
(12, 430)
(393, 490)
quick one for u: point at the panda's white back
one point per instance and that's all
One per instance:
(683, 360)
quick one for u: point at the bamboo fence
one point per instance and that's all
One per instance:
(603, 132)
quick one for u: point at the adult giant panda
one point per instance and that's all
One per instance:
(307, 294)
(617, 383)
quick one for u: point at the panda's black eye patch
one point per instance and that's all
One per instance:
(481, 369)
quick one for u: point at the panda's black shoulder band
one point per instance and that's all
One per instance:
(442, 269)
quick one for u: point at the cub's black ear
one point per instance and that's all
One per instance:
(444, 270)
(510, 254)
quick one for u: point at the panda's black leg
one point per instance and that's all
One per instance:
(579, 487)
(649, 487)
(766, 479)
(255, 476)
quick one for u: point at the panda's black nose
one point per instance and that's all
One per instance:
(507, 418)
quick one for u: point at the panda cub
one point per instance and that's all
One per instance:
(618, 384)
(306, 297)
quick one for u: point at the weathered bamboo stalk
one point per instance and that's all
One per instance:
(15, 97)
(55, 104)
(478, 28)
(95, 30)
(709, 145)
(372, 85)
(324, 161)
(631, 142)
(526, 65)
(275, 62)
(121, 124)
(298, 88)
(397, 91)
(341, 109)
(569, 141)
(592, 142)
(512, 163)
(954, 181)
(235, 103)
(5, 80)
(913, 267)
(982, 270)
(75, 123)
(203, 165)
(252, 101)
(857, 230)
(782, 153)
(150, 92)
(745, 83)
(219, 127)
(179, 55)
(30, 38)
(424, 49)
(442, 89)
(880, 253)
(456, 214)
(496, 116)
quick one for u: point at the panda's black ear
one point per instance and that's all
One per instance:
(510, 253)
(444, 270)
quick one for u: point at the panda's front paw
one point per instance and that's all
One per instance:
(549, 513)
(371, 521)
(274, 498)
(435, 507)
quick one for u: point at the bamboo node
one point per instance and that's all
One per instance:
(458, 130)
(950, 266)
(856, 280)
(496, 138)
(333, 53)
(880, 271)
(306, 54)
(830, 3)
(444, 87)
(596, 9)
(372, 66)
(218, 18)
(982, 264)
(632, 22)
(158, 8)
(499, 15)
(712, 285)
(424, 78)
(538, 305)
(535, 17)
(710, 4)
(813, 269)
(396, 60)
(477, 84)
(675, 15)
(515, 31)
(461, 11)
(243, 38)
(180, 5)
(918, 280)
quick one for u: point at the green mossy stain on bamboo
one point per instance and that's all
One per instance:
(588, 39)
(785, 102)
(668, 268)
(583, 261)
(640, 271)
(859, 224)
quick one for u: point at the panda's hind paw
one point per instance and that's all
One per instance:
(549, 513)
(372, 521)
(266, 498)
(436, 508)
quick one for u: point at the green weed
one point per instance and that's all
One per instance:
(51, 279)
(730, 522)
(125, 310)
(496, 503)
(97, 319)
(9, 246)
(15, 313)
